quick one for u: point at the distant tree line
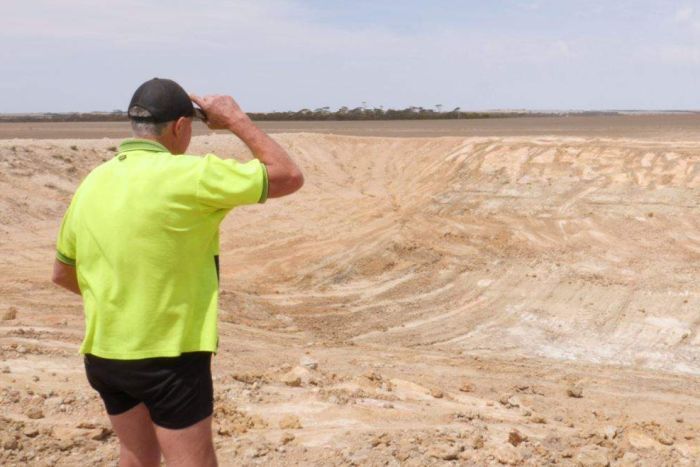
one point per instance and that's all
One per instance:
(378, 113)
(115, 116)
(320, 114)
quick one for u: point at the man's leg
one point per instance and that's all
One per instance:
(191, 447)
(138, 445)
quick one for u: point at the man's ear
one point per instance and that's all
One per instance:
(179, 126)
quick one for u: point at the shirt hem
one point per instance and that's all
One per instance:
(146, 354)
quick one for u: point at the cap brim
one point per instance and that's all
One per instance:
(199, 114)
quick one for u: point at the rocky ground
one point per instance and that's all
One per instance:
(422, 301)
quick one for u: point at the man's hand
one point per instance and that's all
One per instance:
(283, 175)
(223, 113)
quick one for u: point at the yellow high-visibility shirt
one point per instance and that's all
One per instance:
(142, 231)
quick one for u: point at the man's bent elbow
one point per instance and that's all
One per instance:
(296, 180)
(286, 184)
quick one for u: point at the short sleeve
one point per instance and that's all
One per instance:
(227, 183)
(65, 245)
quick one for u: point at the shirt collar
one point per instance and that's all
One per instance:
(134, 144)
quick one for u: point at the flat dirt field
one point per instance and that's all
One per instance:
(685, 127)
(522, 298)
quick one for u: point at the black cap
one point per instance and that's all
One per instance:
(160, 100)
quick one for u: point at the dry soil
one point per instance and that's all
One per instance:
(421, 301)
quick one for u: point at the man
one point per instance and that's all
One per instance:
(140, 243)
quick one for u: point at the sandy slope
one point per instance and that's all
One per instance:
(448, 296)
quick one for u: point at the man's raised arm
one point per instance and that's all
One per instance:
(283, 175)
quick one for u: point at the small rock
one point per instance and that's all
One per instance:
(87, 425)
(593, 456)
(609, 432)
(515, 437)
(538, 419)
(30, 432)
(402, 455)
(308, 362)
(287, 438)
(679, 419)
(300, 373)
(100, 434)
(14, 396)
(10, 443)
(6, 369)
(575, 391)
(466, 387)
(509, 401)
(9, 314)
(466, 416)
(35, 378)
(21, 349)
(445, 452)
(292, 380)
(381, 439)
(68, 400)
(437, 393)
(630, 459)
(373, 376)
(508, 455)
(665, 438)
(478, 442)
(34, 413)
(66, 444)
(290, 422)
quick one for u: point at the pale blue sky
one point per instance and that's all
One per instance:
(82, 55)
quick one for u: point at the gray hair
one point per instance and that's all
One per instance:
(141, 128)
(145, 128)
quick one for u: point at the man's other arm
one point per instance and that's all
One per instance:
(65, 276)
(283, 175)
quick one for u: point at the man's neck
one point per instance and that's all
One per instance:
(155, 139)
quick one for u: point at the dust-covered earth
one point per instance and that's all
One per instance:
(421, 301)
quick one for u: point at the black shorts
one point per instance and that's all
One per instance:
(177, 391)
